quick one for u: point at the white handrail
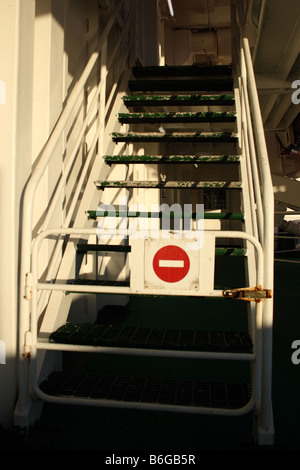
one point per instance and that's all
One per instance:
(37, 344)
(53, 140)
(266, 179)
(252, 149)
(264, 189)
(70, 162)
(34, 180)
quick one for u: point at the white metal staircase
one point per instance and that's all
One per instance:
(213, 198)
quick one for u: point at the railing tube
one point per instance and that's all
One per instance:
(252, 150)
(28, 201)
(267, 194)
(265, 416)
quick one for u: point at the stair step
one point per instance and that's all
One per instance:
(203, 85)
(151, 337)
(170, 184)
(179, 100)
(97, 282)
(187, 117)
(228, 251)
(188, 137)
(157, 159)
(150, 391)
(84, 248)
(207, 215)
(181, 70)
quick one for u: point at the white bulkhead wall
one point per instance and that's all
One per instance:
(65, 33)
(16, 50)
(44, 45)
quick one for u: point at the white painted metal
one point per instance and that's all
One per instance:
(16, 46)
(43, 344)
(146, 406)
(139, 270)
(265, 214)
(75, 100)
(259, 236)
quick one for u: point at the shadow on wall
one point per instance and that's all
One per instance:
(73, 32)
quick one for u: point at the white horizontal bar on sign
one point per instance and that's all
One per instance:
(171, 263)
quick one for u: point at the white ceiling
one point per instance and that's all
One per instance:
(276, 55)
(274, 34)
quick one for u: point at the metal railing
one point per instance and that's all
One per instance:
(253, 138)
(261, 195)
(88, 109)
(38, 343)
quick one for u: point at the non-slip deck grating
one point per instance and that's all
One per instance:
(147, 390)
(173, 215)
(176, 117)
(151, 338)
(181, 70)
(98, 282)
(171, 159)
(179, 100)
(201, 84)
(177, 137)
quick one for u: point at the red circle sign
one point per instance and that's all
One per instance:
(171, 263)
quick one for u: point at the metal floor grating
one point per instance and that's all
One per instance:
(147, 390)
(151, 338)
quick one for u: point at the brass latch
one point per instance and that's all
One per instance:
(254, 294)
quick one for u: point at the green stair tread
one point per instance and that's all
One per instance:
(209, 137)
(181, 70)
(143, 159)
(170, 184)
(176, 117)
(179, 100)
(92, 214)
(97, 282)
(210, 84)
(84, 247)
(97, 334)
(228, 251)
(147, 390)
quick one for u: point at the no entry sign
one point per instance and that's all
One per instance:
(171, 263)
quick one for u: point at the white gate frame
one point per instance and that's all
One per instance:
(34, 343)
